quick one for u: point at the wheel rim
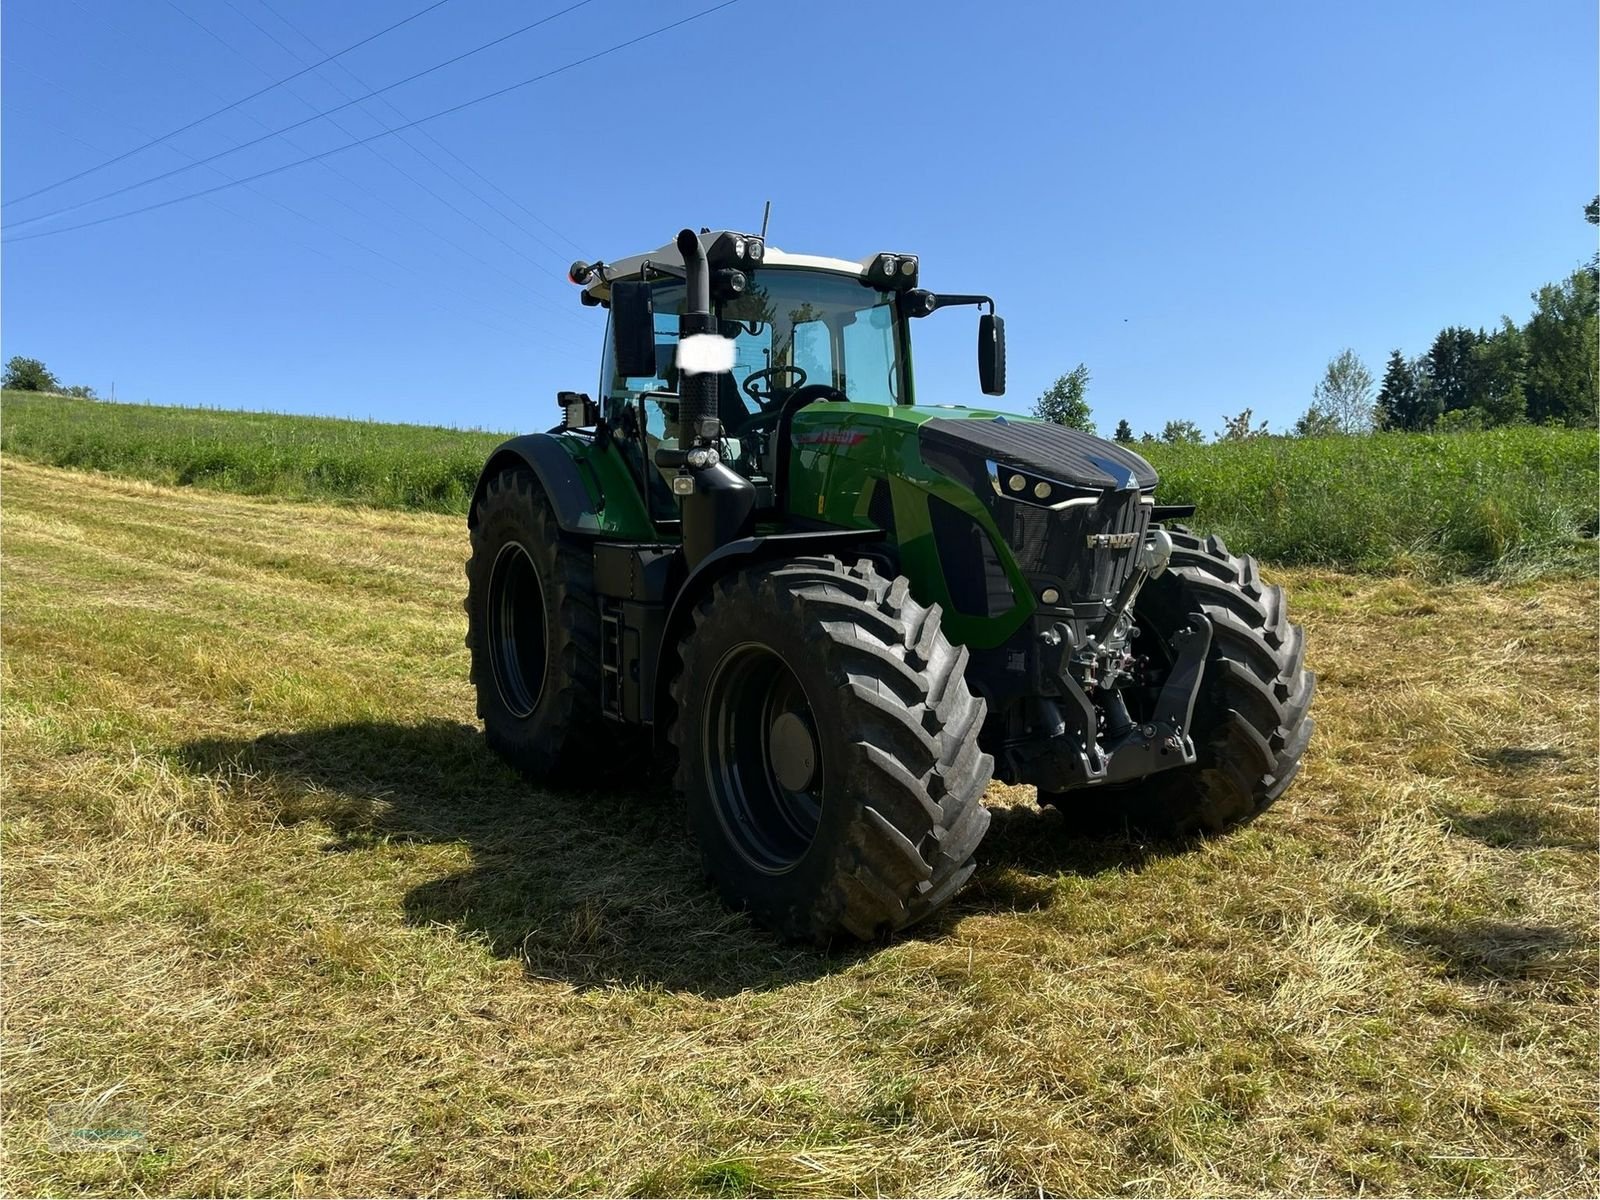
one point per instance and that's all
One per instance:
(516, 629)
(762, 760)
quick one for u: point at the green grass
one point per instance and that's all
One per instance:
(260, 454)
(267, 891)
(1513, 503)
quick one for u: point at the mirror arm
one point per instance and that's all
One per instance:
(921, 303)
(653, 268)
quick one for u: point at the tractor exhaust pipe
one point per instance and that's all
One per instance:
(697, 410)
(716, 501)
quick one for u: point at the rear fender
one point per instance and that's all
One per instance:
(587, 482)
(558, 477)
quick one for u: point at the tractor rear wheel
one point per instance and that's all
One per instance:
(533, 630)
(827, 749)
(1251, 718)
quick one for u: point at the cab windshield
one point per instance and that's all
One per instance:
(791, 328)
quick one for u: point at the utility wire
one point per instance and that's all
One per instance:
(705, 12)
(561, 310)
(506, 323)
(463, 163)
(381, 153)
(100, 166)
(306, 120)
(521, 285)
(433, 281)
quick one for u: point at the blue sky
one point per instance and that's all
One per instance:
(1204, 203)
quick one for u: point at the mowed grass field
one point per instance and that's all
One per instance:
(265, 887)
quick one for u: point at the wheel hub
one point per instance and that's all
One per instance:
(794, 751)
(762, 758)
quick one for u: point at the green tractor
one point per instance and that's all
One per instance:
(844, 613)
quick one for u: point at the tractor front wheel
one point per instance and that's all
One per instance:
(1252, 714)
(827, 749)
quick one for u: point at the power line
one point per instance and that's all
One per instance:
(479, 175)
(524, 290)
(307, 120)
(380, 152)
(549, 304)
(374, 137)
(511, 320)
(225, 108)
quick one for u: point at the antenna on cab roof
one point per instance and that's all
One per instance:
(766, 213)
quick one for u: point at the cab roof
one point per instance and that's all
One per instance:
(668, 256)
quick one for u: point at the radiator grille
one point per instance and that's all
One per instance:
(1056, 545)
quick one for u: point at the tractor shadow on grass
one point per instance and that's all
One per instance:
(595, 886)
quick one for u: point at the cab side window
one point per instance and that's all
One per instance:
(622, 405)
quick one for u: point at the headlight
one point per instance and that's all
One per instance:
(1037, 492)
(701, 457)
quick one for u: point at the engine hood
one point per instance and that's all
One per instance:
(1053, 451)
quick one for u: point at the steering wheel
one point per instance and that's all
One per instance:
(762, 399)
(797, 399)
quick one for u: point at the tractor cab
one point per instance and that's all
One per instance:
(802, 329)
(796, 334)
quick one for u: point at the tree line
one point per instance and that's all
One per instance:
(31, 375)
(1544, 371)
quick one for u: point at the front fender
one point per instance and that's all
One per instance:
(733, 556)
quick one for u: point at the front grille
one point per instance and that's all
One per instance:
(1054, 546)
(1113, 564)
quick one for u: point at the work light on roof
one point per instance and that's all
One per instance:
(892, 271)
(734, 250)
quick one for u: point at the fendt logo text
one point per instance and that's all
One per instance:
(1112, 541)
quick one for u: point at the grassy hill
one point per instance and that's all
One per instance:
(1512, 502)
(268, 896)
(375, 463)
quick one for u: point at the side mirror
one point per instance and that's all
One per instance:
(991, 354)
(633, 330)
